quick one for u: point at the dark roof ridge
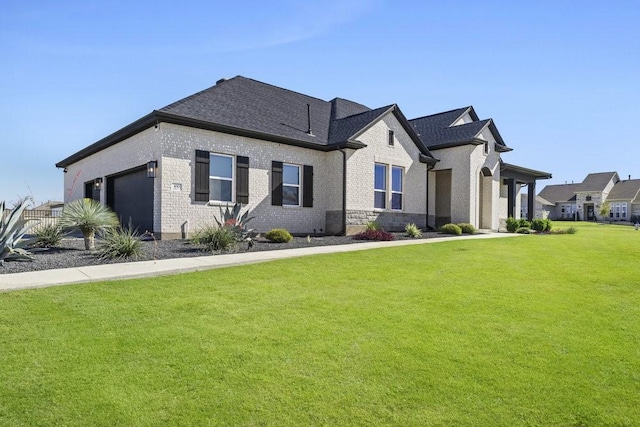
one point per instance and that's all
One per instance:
(439, 114)
(223, 81)
(386, 107)
(277, 87)
(348, 100)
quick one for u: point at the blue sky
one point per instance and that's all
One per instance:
(561, 79)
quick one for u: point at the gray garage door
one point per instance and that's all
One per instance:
(130, 195)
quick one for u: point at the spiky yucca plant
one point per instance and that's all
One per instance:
(12, 231)
(89, 216)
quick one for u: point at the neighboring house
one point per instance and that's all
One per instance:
(298, 162)
(582, 201)
(542, 207)
(50, 208)
(624, 201)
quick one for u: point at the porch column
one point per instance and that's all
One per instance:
(511, 197)
(531, 200)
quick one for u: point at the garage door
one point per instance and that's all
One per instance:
(130, 195)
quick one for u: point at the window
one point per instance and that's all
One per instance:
(391, 138)
(290, 185)
(216, 178)
(380, 186)
(486, 148)
(624, 209)
(396, 187)
(220, 178)
(588, 198)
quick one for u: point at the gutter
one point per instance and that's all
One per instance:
(344, 191)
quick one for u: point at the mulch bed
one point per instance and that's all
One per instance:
(71, 253)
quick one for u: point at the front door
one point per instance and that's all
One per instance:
(591, 215)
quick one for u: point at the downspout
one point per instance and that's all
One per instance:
(426, 223)
(344, 191)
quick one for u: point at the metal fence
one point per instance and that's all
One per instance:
(45, 217)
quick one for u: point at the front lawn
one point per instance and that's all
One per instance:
(534, 330)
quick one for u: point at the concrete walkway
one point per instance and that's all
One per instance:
(129, 270)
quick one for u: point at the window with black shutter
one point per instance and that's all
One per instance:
(242, 179)
(276, 183)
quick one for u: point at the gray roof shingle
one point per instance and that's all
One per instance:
(626, 190)
(597, 181)
(437, 131)
(559, 193)
(248, 107)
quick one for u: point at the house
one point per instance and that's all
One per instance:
(542, 207)
(297, 162)
(583, 201)
(624, 201)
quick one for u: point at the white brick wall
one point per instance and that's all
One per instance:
(174, 146)
(177, 207)
(404, 153)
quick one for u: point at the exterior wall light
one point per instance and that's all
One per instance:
(97, 184)
(152, 168)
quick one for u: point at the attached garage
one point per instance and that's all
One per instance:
(130, 195)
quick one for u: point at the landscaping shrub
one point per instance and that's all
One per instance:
(467, 228)
(12, 231)
(215, 239)
(538, 225)
(48, 236)
(524, 223)
(372, 225)
(278, 235)
(523, 230)
(118, 243)
(451, 229)
(379, 235)
(413, 231)
(90, 216)
(572, 230)
(547, 224)
(512, 224)
(237, 222)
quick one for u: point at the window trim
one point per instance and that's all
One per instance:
(223, 178)
(298, 185)
(380, 190)
(401, 192)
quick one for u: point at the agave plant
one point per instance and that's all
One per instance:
(89, 216)
(233, 219)
(12, 231)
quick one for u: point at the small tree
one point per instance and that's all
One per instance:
(605, 208)
(89, 216)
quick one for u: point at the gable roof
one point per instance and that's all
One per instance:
(626, 190)
(437, 130)
(247, 107)
(597, 181)
(559, 193)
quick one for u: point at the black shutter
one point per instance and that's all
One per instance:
(307, 190)
(242, 179)
(276, 183)
(202, 176)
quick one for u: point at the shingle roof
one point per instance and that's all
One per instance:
(559, 193)
(626, 190)
(248, 107)
(597, 181)
(251, 105)
(436, 131)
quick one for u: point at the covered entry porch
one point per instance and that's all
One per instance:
(516, 176)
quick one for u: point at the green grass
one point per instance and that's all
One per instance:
(531, 330)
